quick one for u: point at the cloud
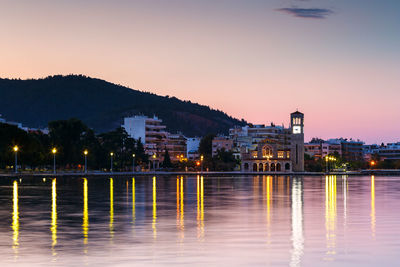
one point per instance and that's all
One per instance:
(309, 13)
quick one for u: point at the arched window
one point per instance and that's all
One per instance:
(272, 167)
(260, 167)
(278, 167)
(254, 167)
(266, 167)
(266, 151)
(287, 167)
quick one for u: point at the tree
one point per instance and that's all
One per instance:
(71, 137)
(167, 160)
(224, 160)
(205, 146)
(140, 155)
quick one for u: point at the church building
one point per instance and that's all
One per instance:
(279, 149)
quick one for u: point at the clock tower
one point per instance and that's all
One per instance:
(297, 140)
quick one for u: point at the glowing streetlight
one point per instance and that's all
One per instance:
(133, 162)
(16, 148)
(372, 163)
(111, 161)
(54, 151)
(154, 162)
(85, 153)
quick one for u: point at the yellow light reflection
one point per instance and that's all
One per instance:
(15, 218)
(53, 227)
(297, 222)
(268, 198)
(154, 224)
(182, 205)
(178, 202)
(85, 223)
(373, 217)
(133, 201)
(111, 225)
(200, 207)
(330, 215)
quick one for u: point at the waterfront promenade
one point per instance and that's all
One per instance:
(210, 173)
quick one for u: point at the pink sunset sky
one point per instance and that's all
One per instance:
(337, 62)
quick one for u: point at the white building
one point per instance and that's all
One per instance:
(192, 148)
(150, 130)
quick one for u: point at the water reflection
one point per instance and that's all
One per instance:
(15, 218)
(249, 215)
(180, 211)
(373, 218)
(85, 217)
(133, 201)
(53, 227)
(111, 224)
(297, 222)
(200, 207)
(345, 188)
(154, 223)
(268, 200)
(330, 215)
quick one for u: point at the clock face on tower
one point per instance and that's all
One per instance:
(296, 129)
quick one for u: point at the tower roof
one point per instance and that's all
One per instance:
(297, 113)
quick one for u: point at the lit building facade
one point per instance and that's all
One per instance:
(176, 145)
(272, 148)
(150, 130)
(322, 149)
(155, 138)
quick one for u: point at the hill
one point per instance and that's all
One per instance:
(102, 105)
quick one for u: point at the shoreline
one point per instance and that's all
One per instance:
(213, 173)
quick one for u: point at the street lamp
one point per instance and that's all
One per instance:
(15, 148)
(201, 162)
(85, 152)
(154, 162)
(372, 163)
(133, 162)
(54, 151)
(111, 161)
(329, 159)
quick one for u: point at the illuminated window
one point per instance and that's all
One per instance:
(280, 154)
(266, 152)
(288, 154)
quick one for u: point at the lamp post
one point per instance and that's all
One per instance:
(372, 164)
(133, 162)
(201, 162)
(15, 148)
(111, 161)
(85, 152)
(327, 160)
(154, 162)
(54, 151)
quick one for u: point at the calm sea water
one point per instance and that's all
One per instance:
(226, 221)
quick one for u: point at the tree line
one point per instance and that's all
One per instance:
(70, 138)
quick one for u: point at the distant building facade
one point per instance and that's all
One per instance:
(155, 138)
(272, 148)
(352, 150)
(322, 149)
(151, 131)
(192, 148)
(390, 151)
(221, 143)
(176, 145)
